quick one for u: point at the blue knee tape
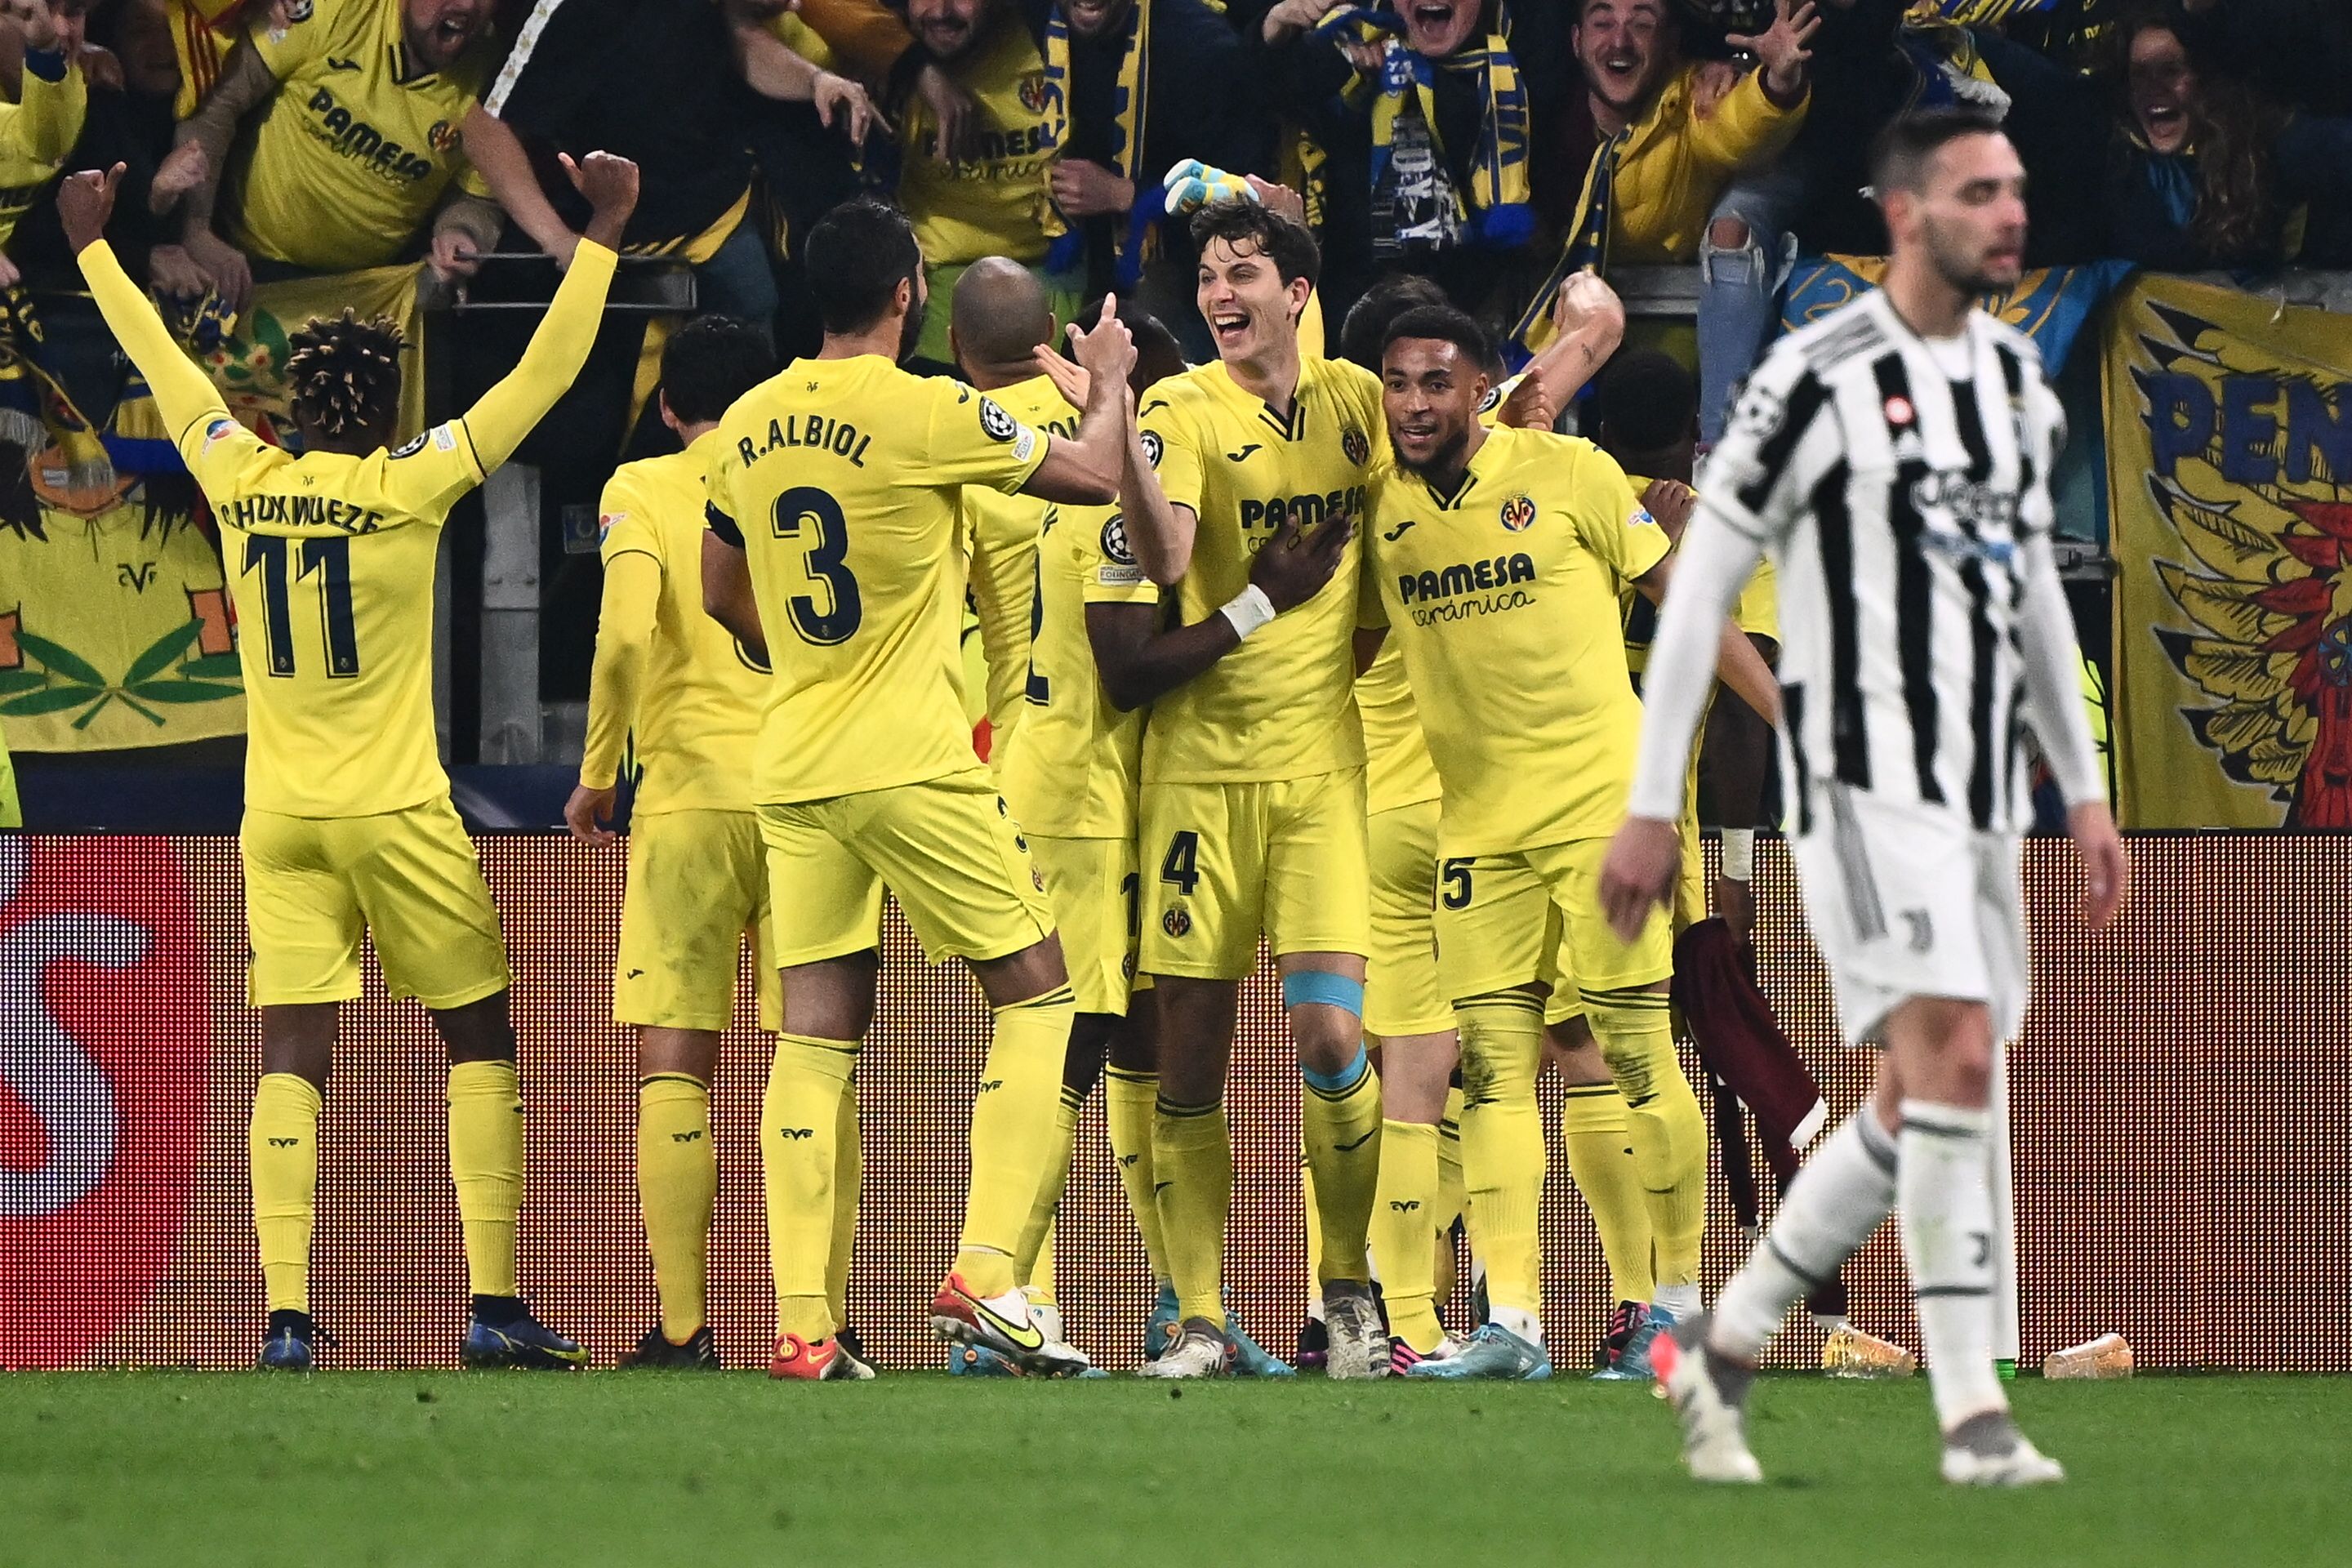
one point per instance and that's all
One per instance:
(1346, 1079)
(1323, 987)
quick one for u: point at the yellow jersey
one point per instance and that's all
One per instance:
(997, 204)
(1281, 706)
(1000, 536)
(1504, 598)
(1756, 611)
(840, 480)
(1073, 769)
(121, 621)
(329, 557)
(357, 146)
(667, 675)
(1398, 771)
(36, 133)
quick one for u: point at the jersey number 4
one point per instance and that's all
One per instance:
(811, 515)
(1182, 865)
(330, 562)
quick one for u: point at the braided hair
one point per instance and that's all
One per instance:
(343, 373)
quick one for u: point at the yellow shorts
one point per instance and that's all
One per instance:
(1689, 908)
(1503, 921)
(1401, 995)
(409, 879)
(1091, 884)
(698, 884)
(947, 847)
(1287, 856)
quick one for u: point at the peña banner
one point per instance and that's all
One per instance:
(2229, 465)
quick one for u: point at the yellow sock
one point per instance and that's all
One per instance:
(1127, 1111)
(1013, 1134)
(799, 1137)
(1340, 1118)
(677, 1181)
(1669, 1135)
(1314, 1213)
(1594, 1125)
(1032, 1262)
(1192, 1158)
(848, 1175)
(281, 1143)
(485, 1165)
(1502, 1144)
(1404, 1243)
(1452, 1202)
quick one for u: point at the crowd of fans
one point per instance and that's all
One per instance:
(1499, 149)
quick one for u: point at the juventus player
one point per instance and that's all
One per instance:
(1894, 460)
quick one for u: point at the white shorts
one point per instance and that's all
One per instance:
(1910, 901)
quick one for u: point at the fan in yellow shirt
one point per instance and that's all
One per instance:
(833, 545)
(985, 193)
(332, 138)
(36, 132)
(1497, 556)
(348, 826)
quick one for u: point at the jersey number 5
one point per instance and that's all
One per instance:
(812, 515)
(329, 560)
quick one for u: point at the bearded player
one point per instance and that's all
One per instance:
(1498, 556)
(833, 490)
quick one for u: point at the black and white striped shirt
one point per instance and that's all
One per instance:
(1900, 485)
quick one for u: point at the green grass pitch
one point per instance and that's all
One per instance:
(683, 1468)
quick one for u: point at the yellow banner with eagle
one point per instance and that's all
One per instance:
(2229, 470)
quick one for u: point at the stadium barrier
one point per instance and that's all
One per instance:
(2183, 1135)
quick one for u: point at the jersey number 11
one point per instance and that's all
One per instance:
(330, 562)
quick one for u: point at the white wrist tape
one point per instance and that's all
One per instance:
(1248, 610)
(1739, 854)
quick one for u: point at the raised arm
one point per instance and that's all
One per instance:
(506, 413)
(184, 395)
(494, 150)
(246, 83)
(56, 96)
(1085, 469)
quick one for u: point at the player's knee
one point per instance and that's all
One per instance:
(479, 1031)
(1134, 1043)
(1025, 976)
(832, 999)
(1729, 234)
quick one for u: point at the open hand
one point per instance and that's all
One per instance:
(1781, 46)
(1638, 873)
(2106, 874)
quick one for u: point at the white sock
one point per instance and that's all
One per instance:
(1683, 1301)
(1845, 1189)
(1947, 1200)
(1525, 1324)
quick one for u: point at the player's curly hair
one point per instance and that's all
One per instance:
(343, 374)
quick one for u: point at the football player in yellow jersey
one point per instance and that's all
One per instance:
(1253, 800)
(1000, 316)
(833, 494)
(1496, 554)
(348, 828)
(37, 132)
(674, 690)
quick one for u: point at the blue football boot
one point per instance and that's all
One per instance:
(1494, 1354)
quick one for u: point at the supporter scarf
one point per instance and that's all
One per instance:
(37, 411)
(1948, 68)
(1587, 249)
(1135, 244)
(1496, 212)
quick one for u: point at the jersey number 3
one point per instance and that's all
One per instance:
(329, 561)
(813, 517)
